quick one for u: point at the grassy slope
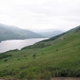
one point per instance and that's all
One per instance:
(58, 57)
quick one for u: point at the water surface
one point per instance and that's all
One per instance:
(17, 44)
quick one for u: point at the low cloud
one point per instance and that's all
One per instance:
(40, 14)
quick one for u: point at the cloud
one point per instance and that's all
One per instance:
(40, 14)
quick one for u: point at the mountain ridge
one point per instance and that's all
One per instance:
(9, 33)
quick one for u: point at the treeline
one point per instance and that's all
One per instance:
(37, 45)
(40, 73)
(3, 55)
(49, 72)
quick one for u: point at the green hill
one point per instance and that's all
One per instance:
(12, 32)
(56, 57)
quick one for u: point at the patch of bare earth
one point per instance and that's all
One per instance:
(64, 78)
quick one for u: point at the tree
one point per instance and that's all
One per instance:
(34, 55)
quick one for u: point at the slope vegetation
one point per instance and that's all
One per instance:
(55, 57)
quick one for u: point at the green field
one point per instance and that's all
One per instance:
(56, 57)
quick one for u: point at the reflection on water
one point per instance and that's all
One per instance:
(17, 44)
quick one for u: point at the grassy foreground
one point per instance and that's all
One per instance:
(56, 57)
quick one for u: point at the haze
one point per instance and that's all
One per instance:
(40, 15)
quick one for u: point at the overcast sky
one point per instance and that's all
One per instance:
(40, 14)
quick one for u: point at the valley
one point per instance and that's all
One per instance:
(58, 56)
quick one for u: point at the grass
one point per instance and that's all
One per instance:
(58, 57)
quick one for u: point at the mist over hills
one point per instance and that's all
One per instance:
(12, 32)
(51, 33)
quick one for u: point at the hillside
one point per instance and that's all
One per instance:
(56, 57)
(12, 32)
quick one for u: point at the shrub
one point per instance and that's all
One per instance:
(5, 60)
(34, 55)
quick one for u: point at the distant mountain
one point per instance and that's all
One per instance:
(12, 32)
(51, 33)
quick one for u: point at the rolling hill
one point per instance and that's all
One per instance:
(12, 32)
(58, 56)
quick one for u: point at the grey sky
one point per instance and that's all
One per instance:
(40, 14)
